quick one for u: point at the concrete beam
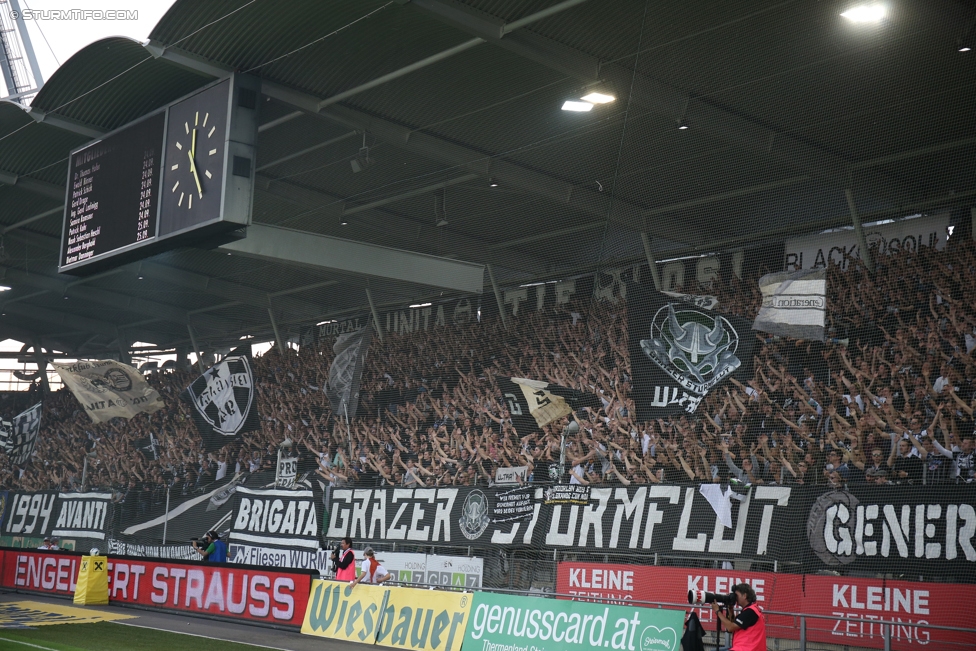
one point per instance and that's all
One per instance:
(111, 299)
(358, 258)
(445, 239)
(51, 190)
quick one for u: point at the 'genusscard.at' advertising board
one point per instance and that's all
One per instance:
(501, 622)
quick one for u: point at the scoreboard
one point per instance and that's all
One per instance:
(182, 175)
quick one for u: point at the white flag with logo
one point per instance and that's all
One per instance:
(22, 437)
(794, 304)
(108, 389)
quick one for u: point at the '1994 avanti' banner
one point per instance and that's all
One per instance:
(890, 528)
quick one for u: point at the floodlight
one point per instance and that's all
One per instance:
(579, 107)
(870, 13)
(598, 98)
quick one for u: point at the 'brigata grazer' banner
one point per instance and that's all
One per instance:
(889, 528)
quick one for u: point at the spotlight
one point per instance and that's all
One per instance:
(598, 98)
(140, 278)
(870, 13)
(442, 222)
(362, 160)
(343, 221)
(578, 107)
(682, 124)
(492, 182)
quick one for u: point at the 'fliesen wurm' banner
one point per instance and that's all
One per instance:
(108, 389)
(679, 352)
(504, 622)
(224, 400)
(402, 618)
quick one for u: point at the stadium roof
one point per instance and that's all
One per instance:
(787, 104)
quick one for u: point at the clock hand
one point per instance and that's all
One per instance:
(196, 177)
(193, 144)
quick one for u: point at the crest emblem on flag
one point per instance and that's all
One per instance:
(223, 399)
(696, 349)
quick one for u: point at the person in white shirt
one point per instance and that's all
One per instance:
(372, 571)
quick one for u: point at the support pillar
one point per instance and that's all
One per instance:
(181, 357)
(498, 295)
(274, 326)
(376, 315)
(651, 261)
(41, 362)
(862, 242)
(196, 349)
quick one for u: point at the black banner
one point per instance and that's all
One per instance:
(224, 400)
(886, 529)
(679, 352)
(276, 518)
(78, 519)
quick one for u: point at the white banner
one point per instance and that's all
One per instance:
(518, 474)
(794, 304)
(108, 389)
(813, 251)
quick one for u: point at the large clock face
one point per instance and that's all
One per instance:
(194, 165)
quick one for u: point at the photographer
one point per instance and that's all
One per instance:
(215, 550)
(748, 628)
(344, 561)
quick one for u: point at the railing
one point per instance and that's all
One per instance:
(887, 628)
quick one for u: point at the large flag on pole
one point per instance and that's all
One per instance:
(108, 389)
(533, 404)
(224, 400)
(679, 352)
(18, 441)
(346, 371)
(794, 304)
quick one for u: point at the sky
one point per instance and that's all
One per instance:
(55, 40)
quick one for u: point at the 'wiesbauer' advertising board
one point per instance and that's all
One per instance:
(403, 618)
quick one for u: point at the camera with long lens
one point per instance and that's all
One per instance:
(699, 597)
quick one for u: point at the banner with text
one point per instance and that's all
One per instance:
(910, 605)
(817, 250)
(870, 529)
(403, 618)
(502, 622)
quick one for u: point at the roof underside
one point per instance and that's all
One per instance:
(788, 104)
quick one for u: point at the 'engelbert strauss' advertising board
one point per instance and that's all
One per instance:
(910, 605)
(248, 593)
(502, 622)
(404, 618)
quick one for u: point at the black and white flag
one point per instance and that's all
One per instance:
(533, 404)
(224, 400)
(679, 352)
(794, 304)
(347, 371)
(22, 435)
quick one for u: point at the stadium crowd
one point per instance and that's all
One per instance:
(888, 399)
